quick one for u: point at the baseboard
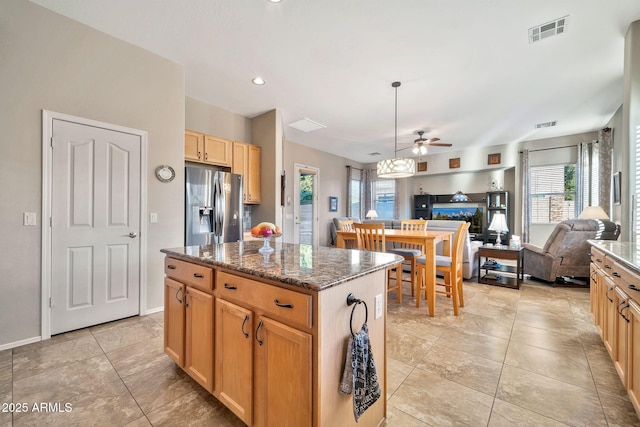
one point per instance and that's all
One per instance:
(19, 343)
(154, 310)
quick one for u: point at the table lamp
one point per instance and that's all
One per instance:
(371, 214)
(593, 212)
(499, 225)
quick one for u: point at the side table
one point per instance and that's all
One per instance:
(490, 273)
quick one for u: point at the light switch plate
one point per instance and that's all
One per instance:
(29, 218)
(378, 305)
(153, 217)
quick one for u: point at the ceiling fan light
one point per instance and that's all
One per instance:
(423, 149)
(415, 150)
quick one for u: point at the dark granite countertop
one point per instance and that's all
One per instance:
(310, 267)
(628, 253)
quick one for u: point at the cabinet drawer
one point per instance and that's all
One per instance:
(289, 306)
(598, 258)
(188, 273)
(622, 275)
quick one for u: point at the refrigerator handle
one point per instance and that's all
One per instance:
(215, 207)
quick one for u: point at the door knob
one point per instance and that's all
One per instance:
(133, 235)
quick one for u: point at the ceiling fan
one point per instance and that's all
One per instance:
(420, 145)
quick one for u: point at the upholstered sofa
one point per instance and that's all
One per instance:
(470, 249)
(566, 252)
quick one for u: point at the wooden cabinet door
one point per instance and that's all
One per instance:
(620, 343)
(217, 151)
(593, 292)
(239, 165)
(601, 290)
(174, 317)
(234, 359)
(609, 315)
(199, 337)
(633, 374)
(283, 374)
(193, 145)
(254, 171)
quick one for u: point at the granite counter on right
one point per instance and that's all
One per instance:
(615, 307)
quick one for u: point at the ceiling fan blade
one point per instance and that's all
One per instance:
(439, 144)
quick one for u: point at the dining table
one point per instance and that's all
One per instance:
(428, 239)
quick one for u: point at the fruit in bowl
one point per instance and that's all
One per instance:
(266, 229)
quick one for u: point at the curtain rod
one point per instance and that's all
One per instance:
(552, 148)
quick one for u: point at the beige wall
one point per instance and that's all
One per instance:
(53, 63)
(215, 121)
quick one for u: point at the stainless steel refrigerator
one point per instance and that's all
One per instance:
(213, 206)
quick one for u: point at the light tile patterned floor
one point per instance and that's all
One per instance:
(528, 357)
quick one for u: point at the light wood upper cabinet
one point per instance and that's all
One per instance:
(217, 151)
(203, 148)
(193, 146)
(246, 162)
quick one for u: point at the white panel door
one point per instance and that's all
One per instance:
(95, 210)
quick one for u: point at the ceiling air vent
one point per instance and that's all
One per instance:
(546, 124)
(375, 153)
(549, 29)
(306, 125)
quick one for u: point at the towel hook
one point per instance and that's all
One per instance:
(352, 300)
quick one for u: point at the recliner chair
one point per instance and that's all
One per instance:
(566, 252)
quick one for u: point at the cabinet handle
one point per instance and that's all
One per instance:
(619, 309)
(179, 300)
(246, 318)
(257, 329)
(186, 294)
(230, 287)
(199, 154)
(206, 156)
(171, 267)
(282, 305)
(607, 266)
(634, 288)
(249, 196)
(198, 276)
(616, 274)
(598, 260)
(607, 294)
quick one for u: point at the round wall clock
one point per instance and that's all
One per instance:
(165, 173)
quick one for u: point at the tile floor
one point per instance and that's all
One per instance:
(528, 358)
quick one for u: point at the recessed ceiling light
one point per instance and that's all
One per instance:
(275, 1)
(258, 81)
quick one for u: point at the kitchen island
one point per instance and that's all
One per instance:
(266, 334)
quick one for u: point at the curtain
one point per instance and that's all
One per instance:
(367, 179)
(348, 201)
(582, 178)
(605, 161)
(526, 194)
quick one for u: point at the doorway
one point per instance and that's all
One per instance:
(305, 208)
(93, 233)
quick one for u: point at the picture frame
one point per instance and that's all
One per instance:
(493, 159)
(617, 178)
(333, 204)
(422, 166)
(454, 163)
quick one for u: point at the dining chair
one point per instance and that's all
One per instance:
(370, 237)
(347, 225)
(451, 266)
(410, 251)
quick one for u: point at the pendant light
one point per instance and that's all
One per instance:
(398, 167)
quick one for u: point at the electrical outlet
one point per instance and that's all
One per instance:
(378, 305)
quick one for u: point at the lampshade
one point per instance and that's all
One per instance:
(460, 197)
(372, 214)
(398, 167)
(419, 149)
(593, 212)
(499, 223)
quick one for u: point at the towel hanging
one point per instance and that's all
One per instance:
(359, 376)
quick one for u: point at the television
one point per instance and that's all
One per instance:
(472, 214)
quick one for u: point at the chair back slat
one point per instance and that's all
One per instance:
(412, 225)
(370, 237)
(346, 225)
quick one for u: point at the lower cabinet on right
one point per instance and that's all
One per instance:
(615, 307)
(261, 366)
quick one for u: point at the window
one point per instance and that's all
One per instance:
(636, 190)
(383, 196)
(553, 193)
